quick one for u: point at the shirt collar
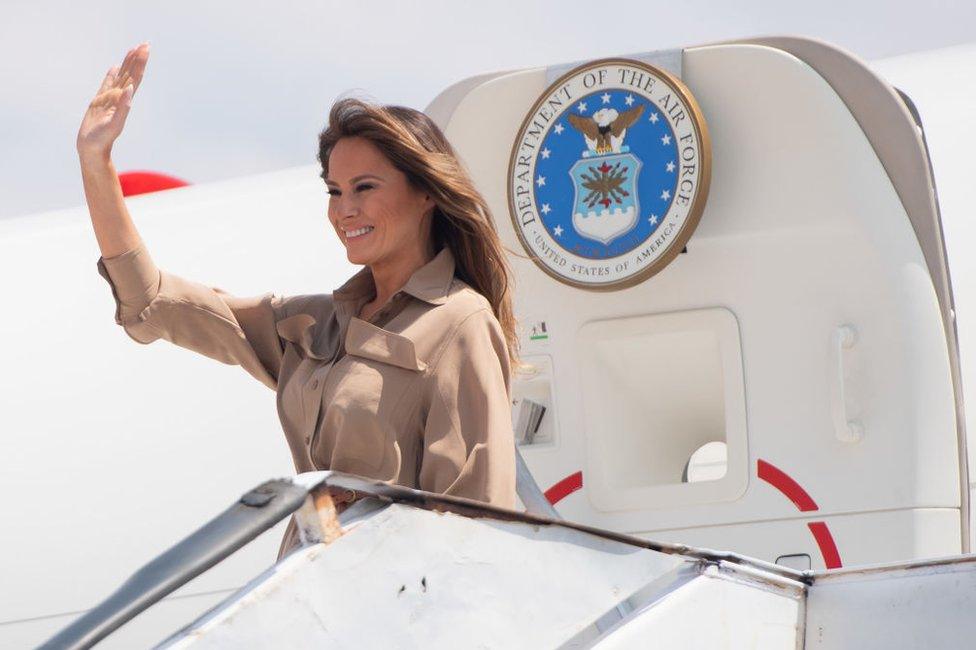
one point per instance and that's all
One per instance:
(430, 283)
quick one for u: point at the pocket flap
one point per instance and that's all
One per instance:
(293, 327)
(366, 340)
(316, 340)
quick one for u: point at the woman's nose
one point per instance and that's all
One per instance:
(345, 208)
(350, 204)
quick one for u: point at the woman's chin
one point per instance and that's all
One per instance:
(357, 257)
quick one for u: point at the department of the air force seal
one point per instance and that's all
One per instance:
(609, 174)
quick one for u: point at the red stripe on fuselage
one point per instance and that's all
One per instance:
(826, 543)
(782, 482)
(565, 487)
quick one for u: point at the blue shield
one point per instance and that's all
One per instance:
(605, 205)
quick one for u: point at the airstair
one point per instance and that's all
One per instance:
(410, 569)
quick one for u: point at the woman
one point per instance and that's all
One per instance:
(402, 373)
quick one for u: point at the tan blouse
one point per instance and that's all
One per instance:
(418, 395)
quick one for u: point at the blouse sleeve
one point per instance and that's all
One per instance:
(469, 446)
(151, 304)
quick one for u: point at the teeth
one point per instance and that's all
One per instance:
(359, 231)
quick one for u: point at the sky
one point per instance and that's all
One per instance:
(240, 88)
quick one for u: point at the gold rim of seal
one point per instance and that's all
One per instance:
(697, 202)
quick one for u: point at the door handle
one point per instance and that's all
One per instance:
(846, 430)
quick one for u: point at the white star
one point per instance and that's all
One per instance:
(629, 100)
(546, 209)
(653, 219)
(670, 166)
(558, 128)
(581, 107)
(540, 181)
(605, 97)
(545, 153)
(558, 230)
(666, 139)
(665, 195)
(653, 118)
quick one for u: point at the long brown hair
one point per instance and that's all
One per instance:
(416, 146)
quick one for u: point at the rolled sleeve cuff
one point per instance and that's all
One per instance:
(134, 279)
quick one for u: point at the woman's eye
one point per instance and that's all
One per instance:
(359, 188)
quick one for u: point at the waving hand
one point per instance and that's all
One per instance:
(107, 112)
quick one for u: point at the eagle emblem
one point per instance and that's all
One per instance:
(604, 131)
(608, 173)
(605, 204)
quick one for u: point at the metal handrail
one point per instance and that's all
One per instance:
(255, 512)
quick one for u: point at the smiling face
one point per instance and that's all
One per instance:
(380, 218)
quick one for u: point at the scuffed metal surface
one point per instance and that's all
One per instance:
(409, 577)
(477, 509)
(934, 565)
(927, 604)
(709, 612)
(407, 568)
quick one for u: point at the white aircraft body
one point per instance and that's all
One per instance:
(791, 388)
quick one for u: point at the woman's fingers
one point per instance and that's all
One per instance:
(109, 79)
(139, 65)
(126, 63)
(122, 104)
(133, 66)
(342, 495)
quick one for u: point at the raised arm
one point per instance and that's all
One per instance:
(101, 126)
(151, 303)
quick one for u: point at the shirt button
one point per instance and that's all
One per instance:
(315, 384)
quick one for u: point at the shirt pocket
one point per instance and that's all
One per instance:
(368, 341)
(364, 403)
